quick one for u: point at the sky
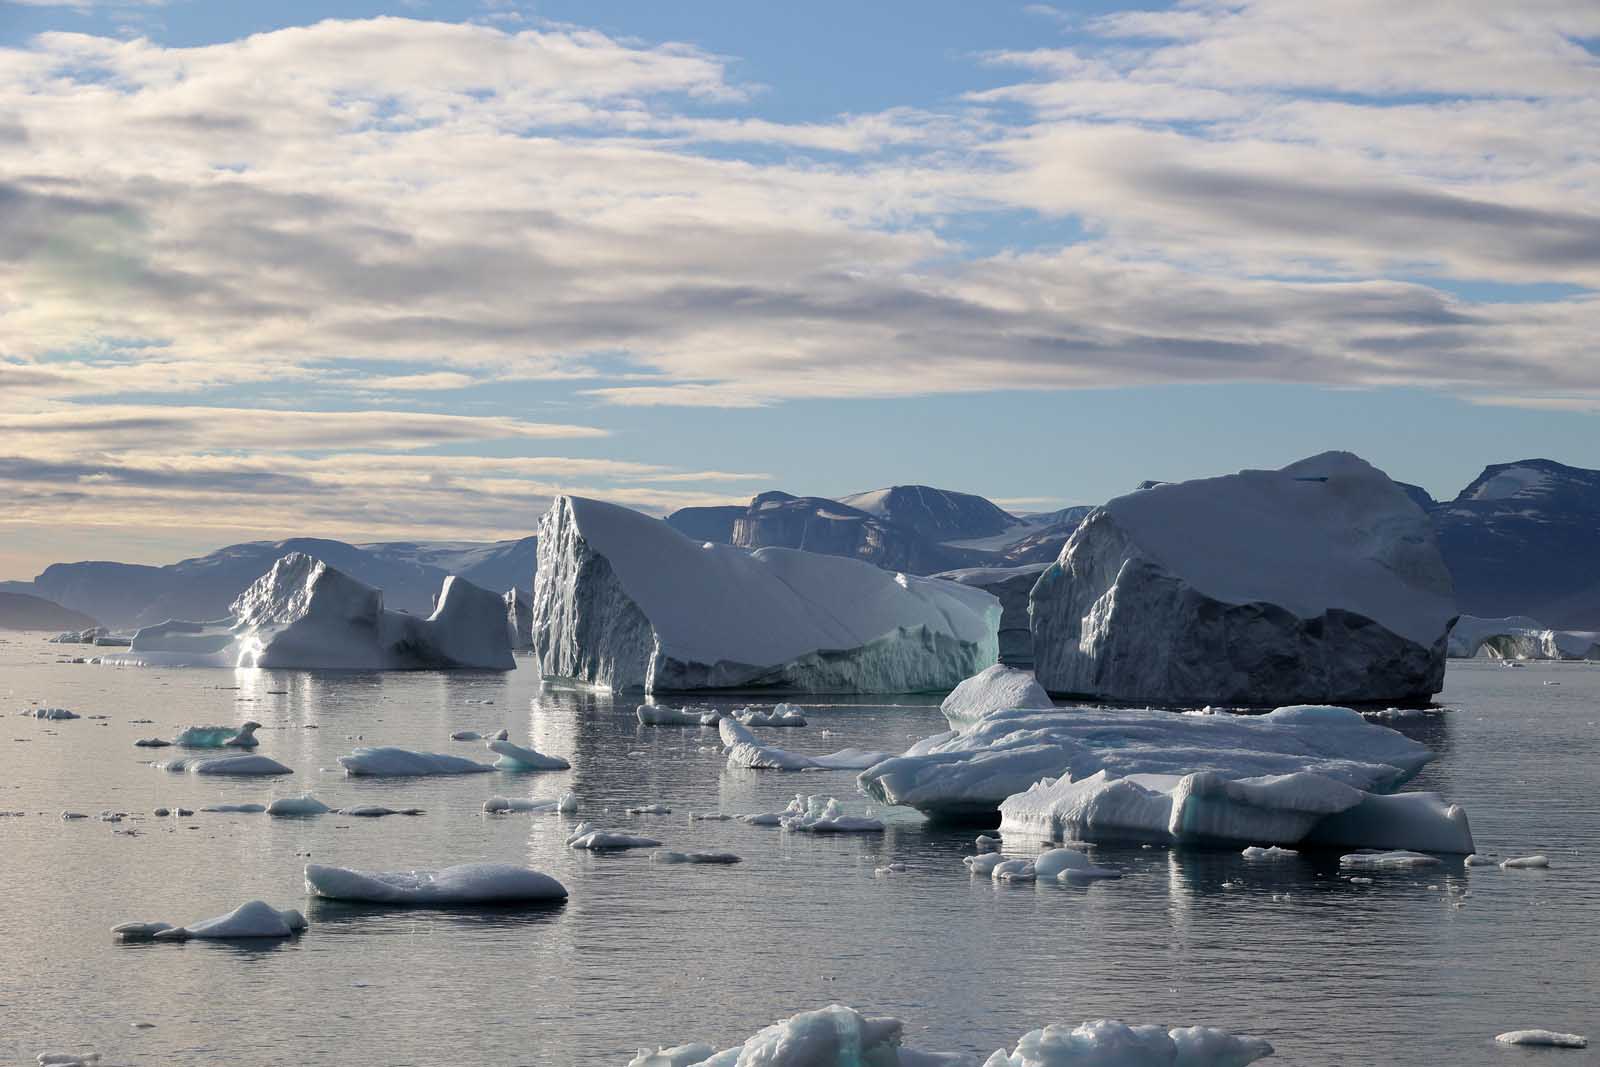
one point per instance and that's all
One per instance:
(393, 271)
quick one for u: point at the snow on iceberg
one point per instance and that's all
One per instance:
(1318, 582)
(745, 751)
(390, 762)
(305, 614)
(239, 766)
(995, 688)
(254, 919)
(1109, 1043)
(624, 601)
(462, 885)
(516, 758)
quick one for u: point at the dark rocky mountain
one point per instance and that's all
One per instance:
(21, 611)
(125, 595)
(1421, 496)
(1044, 543)
(1524, 539)
(707, 524)
(935, 514)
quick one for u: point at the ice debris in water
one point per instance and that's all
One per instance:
(463, 884)
(745, 751)
(1544, 1038)
(650, 809)
(241, 736)
(1271, 852)
(1109, 1043)
(1400, 858)
(516, 758)
(1014, 870)
(822, 815)
(1070, 865)
(994, 688)
(304, 804)
(690, 1055)
(68, 1059)
(1476, 860)
(1525, 862)
(594, 839)
(387, 761)
(665, 856)
(565, 804)
(255, 919)
(52, 714)
(232, 766)
(376, 811)
(466, 735)
(236, 809)
(781, 715)
(658, 715)
(986, 843)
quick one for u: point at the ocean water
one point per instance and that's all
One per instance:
(1416, 968)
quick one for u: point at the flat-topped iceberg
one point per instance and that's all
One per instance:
(624, 601)
(304, 614)
(519, 619)
(462, 885)
(995, 688)
(1320, 582)
(745, 751)
(388, 761)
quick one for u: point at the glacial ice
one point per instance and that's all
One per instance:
(1109, 1043)
(254, 919)
(236, 809)
(1014, 870)
(516, 758)
(1542, 1038)
(240, 736)
(51, 714)
(226, 765)
(818, 814)
(664, 856)
(1271, 852)
(565, 804)
(745, 751)
(781, 715)
(624, 601)
(1394, 859)
(387, 761)
(1518, 637)
(594, 839)
(462, 885)
(519, 619)
(304, 804)
(994, 688)
(1525, 863)
(304, 614)
(659, 715)
(1011, 586)
(1318, 582)
(1068, 864)
(677, 1056)
(834, 1036)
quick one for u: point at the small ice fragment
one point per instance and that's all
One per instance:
(466, 735)
(595, 840)
(516, 758)
(161, 813)
(388, 761)
(664, 856)
(1398, 858)
(1359, 880)
(983, 865)
(236, 809)
(1545, 1038)
(986, 843)
(1272, 852)
(1525, 862)
(1014, 870)
(677, 1056)
(464, 884)
(376, 811)
(151, 742)
(304, 804)
(1476, 860)
(1070, 865)
(232, 766)
(888, 869)
(650, 809)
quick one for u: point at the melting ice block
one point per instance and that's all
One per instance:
(386, 761)
(461, 885)
(624, 601)
(1318, 582)
(304, 614)
(255, 919)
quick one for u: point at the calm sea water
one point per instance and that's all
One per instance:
(1331, 972)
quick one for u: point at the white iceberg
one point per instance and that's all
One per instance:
(251, 920)
(304, 614)
(387, 761)
(519, 619)
(834, 1036)
(1542, 1039)
(745, 751)
(995, 688)
(1070, 865)
(241, 736)
(1525, 863)
(516, 758)
(1318, 582)
(233, 766)
(822, 815)
(462, 885)
(1109, 1043)
(1011, 586)
(1518, 637)
(624, 601)
(304, 804)
(1394, 859)
(564, 804)
(594, 839)
(1271, 852)
(1014, 870)
(677, 1056)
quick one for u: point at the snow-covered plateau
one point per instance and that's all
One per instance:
(624, 601)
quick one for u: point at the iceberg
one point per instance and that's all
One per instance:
(238, 766)
(1518, 637)
(565, 804)
(676, 1056)
(516, 758)
(241, 736)
(389, 762)
(304, 614)
(1011, 586)
(592, 839)
(465, 884)
(657, 715)
(624, 601)
(304, 804)
(1070, 865)
(995, 688)
(519, 620)
(1320, 582)
(822, 815)
(745, 751)
(255, 919)
(1109, 1043)
(1542, 1039)
(782, 715)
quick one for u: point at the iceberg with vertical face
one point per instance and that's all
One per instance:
(1519, 637)
(624, 601)
(519, 619)
(304, 614)
(1320, 582)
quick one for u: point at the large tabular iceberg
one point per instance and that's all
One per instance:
(1298, 773)
(305, 614)
(1318, 582)
(624, 601)
(464, 884)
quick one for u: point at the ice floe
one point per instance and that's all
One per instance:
(1271, 852)
(564, 804)
(1396, 859)
(51, 714)
(745, 751)
(462, 885)
(593, 839)
(1525, 862)
(236, 809)
(660, 715)
(1070, 865)
(822, 815)
(516, 758)
(240, 736)
(304, 804)
(231, 766)
(390, 762)
(781, 715)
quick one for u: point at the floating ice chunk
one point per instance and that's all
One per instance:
(466, 735)
(1418, 822)
(392, 762)
(1387, 860)
(152, 742)
(830, 1037)
(1544, 1038)
(650, 809)
(610, 840)
(138, 931)
(888, 869)
(664, 856)
(1525, 862)
(709, 816)
(1109, 1043)
(1067, 864)
(1014, 870)
(304, 804)
(781, 715)
(161, 813)
(762, 818)
(68, 816)
(254, 919)
(501, 734)
(690, 1055)
(822, 815)
(1476, 860)
(516, 758)
(985, 843)
(232, 766)
(238, 809)
(51, 714)
(983, 864)
(657, 715)
(464, 884)
(68, 1059)
(376, 811)
(567, 802)
(745, 751)
(994, 688)
(1271, 852)
(241, 736)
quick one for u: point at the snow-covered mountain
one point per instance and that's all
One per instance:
(409, 573)
(1524, 539)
